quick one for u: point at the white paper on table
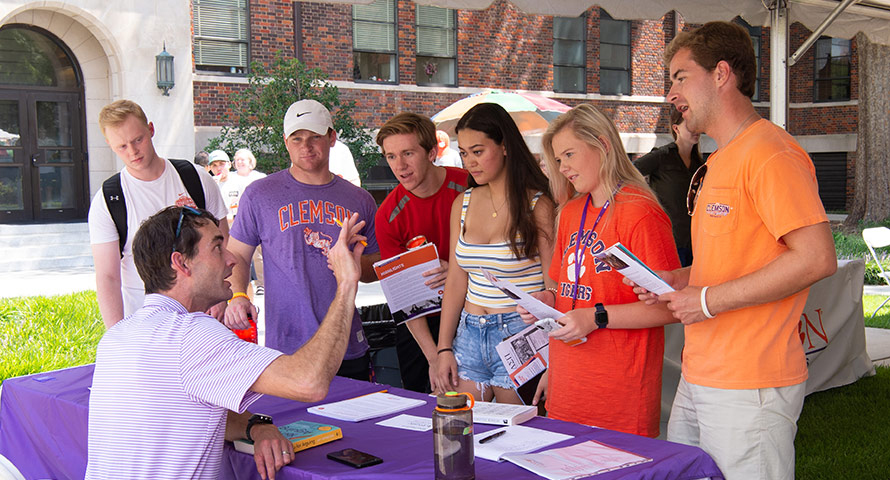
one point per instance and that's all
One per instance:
(626, 263)
(534, 306)
(363, 407)
(518, 439)
(576, 461)
(409, 422)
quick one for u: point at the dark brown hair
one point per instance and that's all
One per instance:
(714, 42)
(156, 240)
(523, 172)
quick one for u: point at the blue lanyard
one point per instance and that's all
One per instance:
(578, 239)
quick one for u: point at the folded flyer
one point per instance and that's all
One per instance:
(403, 284)
(626, 263)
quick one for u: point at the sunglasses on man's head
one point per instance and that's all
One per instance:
(185, 208)
(694, 187)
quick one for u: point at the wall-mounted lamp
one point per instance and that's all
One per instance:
(165, 70)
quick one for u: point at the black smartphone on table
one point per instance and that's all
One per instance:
(354, 458)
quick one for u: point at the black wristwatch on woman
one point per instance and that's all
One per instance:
(601, 317)
(257, 419)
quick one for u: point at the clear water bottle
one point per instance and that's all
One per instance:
(453, 437)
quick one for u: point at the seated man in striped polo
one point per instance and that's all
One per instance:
(171, 383)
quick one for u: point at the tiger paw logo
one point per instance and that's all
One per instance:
(317, 240)
(570, 269)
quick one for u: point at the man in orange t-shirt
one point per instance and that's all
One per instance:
(760, 238)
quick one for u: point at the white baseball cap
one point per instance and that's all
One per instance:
(218, 156)
(307, 115)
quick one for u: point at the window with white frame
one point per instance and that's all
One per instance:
(614, 55)
(832, 70)
(569, 54)
(374, 42)
(436, 46)
(221, 35)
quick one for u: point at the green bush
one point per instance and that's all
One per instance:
(260, 108)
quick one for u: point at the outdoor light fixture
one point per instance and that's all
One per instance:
(165, 70)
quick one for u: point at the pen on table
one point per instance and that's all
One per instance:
(341, 226)
(492, 437)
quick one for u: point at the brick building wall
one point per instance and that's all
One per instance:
(503, 47)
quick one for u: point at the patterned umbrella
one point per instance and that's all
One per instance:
(531, 112)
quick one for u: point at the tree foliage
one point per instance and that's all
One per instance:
(260, 107)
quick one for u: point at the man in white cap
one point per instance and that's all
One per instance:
(294, 215)
(219, 165)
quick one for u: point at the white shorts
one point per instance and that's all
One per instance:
(749, 433)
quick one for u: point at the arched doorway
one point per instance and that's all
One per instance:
(42, 154)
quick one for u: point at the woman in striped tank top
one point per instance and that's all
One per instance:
(505, 226)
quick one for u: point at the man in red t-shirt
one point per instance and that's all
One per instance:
(419, 205)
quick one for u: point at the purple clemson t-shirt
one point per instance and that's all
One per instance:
(294, 223)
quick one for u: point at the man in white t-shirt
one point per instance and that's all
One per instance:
(171, 383)
(342, 164)
(148, 183)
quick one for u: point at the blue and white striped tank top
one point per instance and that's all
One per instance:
(498, 259)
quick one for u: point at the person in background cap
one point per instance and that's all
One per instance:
(220, 165)
(294, 213)
(446, 157)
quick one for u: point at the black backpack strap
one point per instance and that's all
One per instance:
(117, 207)
(191, 180)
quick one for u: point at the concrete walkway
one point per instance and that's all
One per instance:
(76, 279)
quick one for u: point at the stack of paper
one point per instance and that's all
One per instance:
(502, 413)
(576, 461)
(366, 406)
(516, 439)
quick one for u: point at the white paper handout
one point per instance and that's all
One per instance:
(576, 461)
(626, 263)
(408, 422)
(402, 281)
(524, 300)
(516, 439)
(364, 407)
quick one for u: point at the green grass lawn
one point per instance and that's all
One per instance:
(845, 432)
(38, 334)
(882, 319)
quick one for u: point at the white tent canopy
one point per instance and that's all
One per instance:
(871, 17)
(836, 18)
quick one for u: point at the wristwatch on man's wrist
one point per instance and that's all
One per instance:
(601, 317)
(257, 419)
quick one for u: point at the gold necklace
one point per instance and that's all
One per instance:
(494, 214)
(754, 113)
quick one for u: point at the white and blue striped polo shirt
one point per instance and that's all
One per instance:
(164, 382)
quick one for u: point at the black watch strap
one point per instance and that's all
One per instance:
(256, 419)
(601, 317)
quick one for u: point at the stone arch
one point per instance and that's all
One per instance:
(99, 57)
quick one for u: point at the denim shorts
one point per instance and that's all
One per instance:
(474, 347)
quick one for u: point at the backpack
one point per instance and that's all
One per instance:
(117, 205)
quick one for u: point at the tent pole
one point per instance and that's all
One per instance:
(778, 78)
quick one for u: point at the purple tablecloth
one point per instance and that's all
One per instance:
(43, 431)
